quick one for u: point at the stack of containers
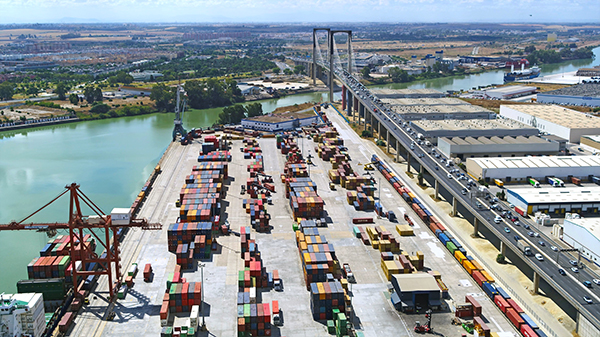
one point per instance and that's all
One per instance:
(222, 167)
(256, 165)
(212, 139)
(185, 255)
(295, 170)
(182, 296)
(186, 233)
(215, 156)
(325, 297)
(306, 204)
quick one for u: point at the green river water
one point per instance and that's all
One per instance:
(111, 160)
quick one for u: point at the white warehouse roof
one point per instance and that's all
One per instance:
(592, 225)
(551, 195)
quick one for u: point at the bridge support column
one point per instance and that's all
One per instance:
(378, 128)
(476, 227)
(397, 151)
(421, 169)
(387, 142)
(437, 189)
(536, 282)
(502, 248)
(408, 162)
(361, 112)
(343, 97)
(350, 101)
(454, 207)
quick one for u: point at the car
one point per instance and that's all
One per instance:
(554, 248)
(530, 234)
(497, 219)
(536, 234)
(436, 167)
(539, 257)
(464, 191)
(526, 226)
(506, 229)
(597, 281)
(511, 205)
(517, 223)
(588, 299)
(541, 243)
(449, 176)
(575, 269)
(517, 238)
(562, 272)
(587, 284)
(573, 263)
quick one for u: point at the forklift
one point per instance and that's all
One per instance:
(426, 328)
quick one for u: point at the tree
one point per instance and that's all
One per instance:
(98, 95)
(100, 108)
(275, 70)
(32, 90)
(74, 99)
(530, 49)
(420, 178)
(7, 90)
(254, 109)
(366, 72)
(287, 71)
(232, 114)
(89, 93)
(61, 91)
(398, 75)
(299, 69)
(500, 258)
(121, 77)
(163, 97)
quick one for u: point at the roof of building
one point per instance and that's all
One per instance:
(405, 92)
(551, 195)
(593, 138)
(537, 162)
(282, 117)
(493, 140)
(416, 282)
(510, 89)
(592, 225)
(559, 115)
(466, 124)
(583, 89)
(554, 138)
(429, 101)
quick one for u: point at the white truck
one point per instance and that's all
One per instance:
(524, 247)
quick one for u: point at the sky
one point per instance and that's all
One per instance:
(230, 11)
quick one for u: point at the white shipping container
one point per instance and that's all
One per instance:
(194, 314)
(120, 216)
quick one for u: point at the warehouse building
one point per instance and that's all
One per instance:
(519, 169)
(281, 121)
(585, 235)
(465, 147)
(507, 92)
(591, 142)
(436, 109)
(433, 129)
(558, 201)
(416, 290)
(554, 119)
(584, 94)
(407, 93)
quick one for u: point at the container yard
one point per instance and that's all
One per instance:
(285, 244)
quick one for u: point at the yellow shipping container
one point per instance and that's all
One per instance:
(436, 274)
(477, 265)
(468, 266)
(322, 294)
(375, 244)
(459, 256)
(487, 276)
(420, 255)
(344, 283)
(442, 285)
(404, 230)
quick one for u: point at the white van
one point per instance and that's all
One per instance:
(498, 219)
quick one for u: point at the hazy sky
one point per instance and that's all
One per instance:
(43, 11)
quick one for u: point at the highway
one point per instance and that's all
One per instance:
(569, 286)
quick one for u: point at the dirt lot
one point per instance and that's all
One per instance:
(31, 112)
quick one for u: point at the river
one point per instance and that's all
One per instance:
(111, 159)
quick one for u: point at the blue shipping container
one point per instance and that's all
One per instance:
(541, 333)
(443, 238)
(463, 250)
(489, 289)
(456, 243)
(470, 258)
(503, 293)
(529, 321)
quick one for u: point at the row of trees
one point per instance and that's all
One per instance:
(200, 94)
(552, 56)
(235, 113)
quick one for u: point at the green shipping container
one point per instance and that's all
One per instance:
(330, 327)
(451, 247)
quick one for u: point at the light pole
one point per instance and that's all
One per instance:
(203, 327)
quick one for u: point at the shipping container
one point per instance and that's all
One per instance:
(515, 306)
(528, 331)
(475, 304)
(515, 318)
(501, 303)
(529, 321)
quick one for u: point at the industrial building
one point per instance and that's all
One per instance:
(556, 200)
(433, 129)
(465, 147)
(436, 109)
(507, 92)
(584, 94)
(133, 91)
(22, 315)
(521, 168)
(591, 142)
(585, 235)
(407, 93)
(416, 290)
(281, 121)
(146, 75)
(554, 119)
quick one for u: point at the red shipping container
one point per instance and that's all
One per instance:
(501, 303)
(514, 305)
(476, 305)
(477, 321)
(514, 317)
(164, 310)
(527, 331)
(275, 307)
(478, 277)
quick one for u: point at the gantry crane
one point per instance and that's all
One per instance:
(77, 224)
(179, 109)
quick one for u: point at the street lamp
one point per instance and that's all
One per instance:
(203, 327)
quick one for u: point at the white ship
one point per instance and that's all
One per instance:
(22, 315)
